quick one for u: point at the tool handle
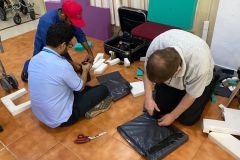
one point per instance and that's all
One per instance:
(81, 141)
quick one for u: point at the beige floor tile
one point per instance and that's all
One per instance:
(12, 132)
(104, 147)
(27, 120)
(211, 151)
(1, 146)
(5, 116)
(6, 155)
(60, 152)
(60, 133)
(33, 145)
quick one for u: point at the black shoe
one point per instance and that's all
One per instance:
(1, 129)
(24, 76)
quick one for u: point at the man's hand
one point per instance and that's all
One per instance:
(89, 59)
(166, 120)
(77, 67)
(150, 105)
(86, 66)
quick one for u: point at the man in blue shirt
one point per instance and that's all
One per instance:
(58, 95)
(69, 13)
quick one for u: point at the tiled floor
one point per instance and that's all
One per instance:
(6, 155)
(9, 29)
(28, 139)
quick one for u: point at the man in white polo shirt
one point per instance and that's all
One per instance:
(181, 66)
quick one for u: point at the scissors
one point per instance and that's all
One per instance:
(84, 139)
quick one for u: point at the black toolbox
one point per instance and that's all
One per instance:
(125, 45)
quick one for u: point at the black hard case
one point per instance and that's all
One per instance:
(127, 46)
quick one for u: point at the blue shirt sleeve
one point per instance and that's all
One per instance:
(79, 34)
(40, 38)
(71, 78)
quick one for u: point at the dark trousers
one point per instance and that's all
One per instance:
(84, 101)
(167, 98)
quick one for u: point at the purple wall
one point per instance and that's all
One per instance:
(98, 20)
(52, 5)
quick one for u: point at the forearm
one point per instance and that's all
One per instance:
(147, 87)
(88, 49)
(184, 104)
(84, 78)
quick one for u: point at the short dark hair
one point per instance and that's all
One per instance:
(162, 65)
(59, 33)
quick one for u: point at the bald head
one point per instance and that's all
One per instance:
(162, 65)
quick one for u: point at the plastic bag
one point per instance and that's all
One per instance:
(118, 87)
(149, 139)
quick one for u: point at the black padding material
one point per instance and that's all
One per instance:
(151, 140)
(118, 86)
(222, 91)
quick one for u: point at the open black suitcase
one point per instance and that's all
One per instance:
(125, 45)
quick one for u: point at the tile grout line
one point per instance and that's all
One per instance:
(71, 151)
(198, 149)
(2, 148)
(5, 147)
(128, 146)
(48, 150)
(16, 140)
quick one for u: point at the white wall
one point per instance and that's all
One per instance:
(226, 37)
(39, 6)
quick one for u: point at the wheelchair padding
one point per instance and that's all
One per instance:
(150, 30)
(118, 87)
(151, 140)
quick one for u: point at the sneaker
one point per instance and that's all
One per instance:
(103, 106)
(24, 76)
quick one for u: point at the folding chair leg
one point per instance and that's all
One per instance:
(1, 46)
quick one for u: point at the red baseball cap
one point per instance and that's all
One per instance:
(73, 11)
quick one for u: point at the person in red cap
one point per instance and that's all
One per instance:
(71, 13)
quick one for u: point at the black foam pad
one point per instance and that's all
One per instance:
(118, 86)
(151, 140)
